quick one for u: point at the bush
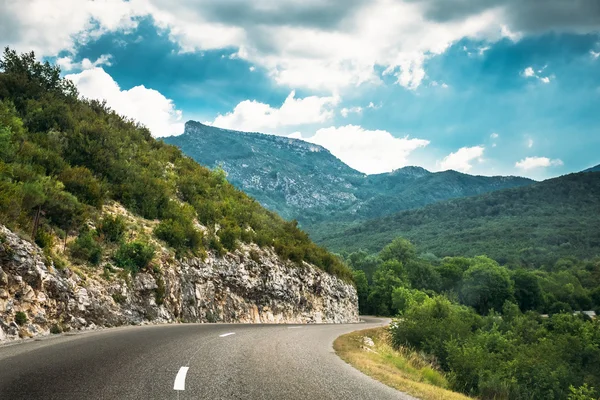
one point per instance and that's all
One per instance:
(134, 256)
(216, 245)
(119, 298)
(20, 318)
(181, 236)
(112, 228)
(86, 248)
(44, 238)
(228, 236)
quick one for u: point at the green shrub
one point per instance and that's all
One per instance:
(55, 329)
(228, 236)
(20, 318)
(80, 182)
(254, 256)
(44, 238)
(134, 256)
(180, 235)
(119, 298)
(112, 228)
(216, 245)
(86, 248)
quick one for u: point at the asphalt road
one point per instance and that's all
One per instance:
(223, 361)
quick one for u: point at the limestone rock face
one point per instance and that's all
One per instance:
(36, 298)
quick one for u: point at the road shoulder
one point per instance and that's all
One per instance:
(369, 352)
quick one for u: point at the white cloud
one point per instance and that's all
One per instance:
(374, 106)
(303, 52)
(537, 162)
(146, 106)
(528, 72)
(494, 135)
(595, 54)
(352, 110)
(251, 115)
(530, 143)
(252, 69)
(462, 159)
(48, 28)
(367, 151)
(67, 63)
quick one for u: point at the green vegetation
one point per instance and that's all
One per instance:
(483, 323)
(401, 368)
(112, 228)
(86, 248)
(134, 256)
(532, 225)
(325, 193)
(508, 356)
(20, 318)
(62, 159)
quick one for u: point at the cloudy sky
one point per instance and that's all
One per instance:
(485, 87)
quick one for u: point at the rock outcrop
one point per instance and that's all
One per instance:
(251, 285)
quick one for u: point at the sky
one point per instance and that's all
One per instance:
(493, 87)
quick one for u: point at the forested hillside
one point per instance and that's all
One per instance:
(593, 169)
(482, 322)
(535, 224)
(62, 159)
(304, 181)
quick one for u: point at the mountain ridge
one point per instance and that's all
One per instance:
(539, 221)
(305, 181)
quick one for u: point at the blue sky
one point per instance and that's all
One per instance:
(503, 88)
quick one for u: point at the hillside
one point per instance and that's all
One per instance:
(284, 175)
(555, 218)
(303, 181)
(100, 224)
(593, 169)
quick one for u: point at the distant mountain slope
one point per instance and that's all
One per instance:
(285, 175)
(593, 169)
(554, 218)
(305, 181)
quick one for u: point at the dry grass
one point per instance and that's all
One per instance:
(402, 369)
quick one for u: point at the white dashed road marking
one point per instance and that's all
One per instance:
(227, 334)
(180, 379)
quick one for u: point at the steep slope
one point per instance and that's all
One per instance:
(593, 169)
(555, 218)
(304, 181)
(106, 204)
(285, 175)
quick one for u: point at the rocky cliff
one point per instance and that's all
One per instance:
(250, 285)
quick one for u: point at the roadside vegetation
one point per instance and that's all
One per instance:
(62, 159)
(496, 332)
(370, 351)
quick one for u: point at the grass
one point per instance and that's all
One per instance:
(402, 369)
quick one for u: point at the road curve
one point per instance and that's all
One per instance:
(224, 361)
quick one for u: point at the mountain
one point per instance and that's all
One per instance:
(285, 175)
(593, 169)
(547, 220)
(304, 181)
(102, 225)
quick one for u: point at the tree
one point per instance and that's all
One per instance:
(528, 292)
(362, 290)
(400, 250)
(486, 286)
(388, 277)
